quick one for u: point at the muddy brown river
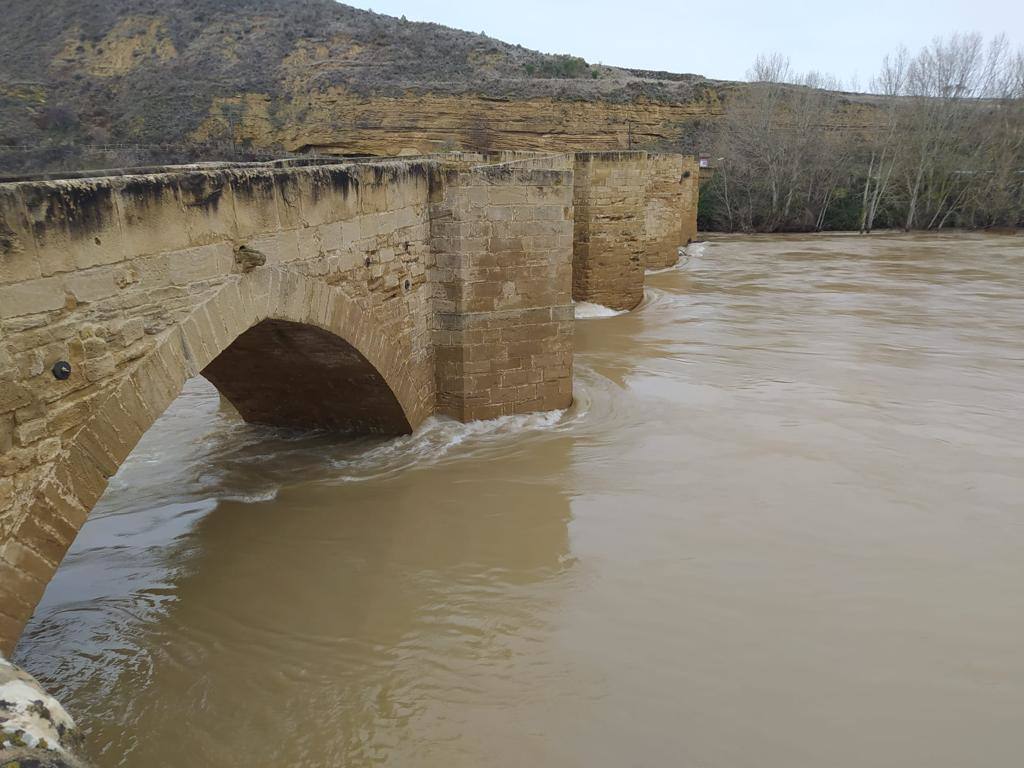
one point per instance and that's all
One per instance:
(782, 526)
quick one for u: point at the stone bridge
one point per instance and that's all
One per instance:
(360, 296)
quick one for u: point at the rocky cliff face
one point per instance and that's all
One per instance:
(341, 121)
(297, 75)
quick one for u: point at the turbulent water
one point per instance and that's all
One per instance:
(782, 526)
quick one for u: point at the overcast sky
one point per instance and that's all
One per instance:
(720, 38)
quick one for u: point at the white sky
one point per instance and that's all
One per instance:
(720, 38)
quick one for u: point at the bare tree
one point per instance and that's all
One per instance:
(885, 146)
(943, 81)
(782, 153)
(944, 145)
(996, 188)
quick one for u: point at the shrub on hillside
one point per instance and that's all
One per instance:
(559, 67)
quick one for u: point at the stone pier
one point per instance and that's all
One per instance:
(502, 241)
(609, 242)
(690, 199)
(670, 217)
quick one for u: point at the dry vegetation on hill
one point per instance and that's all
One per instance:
(249, 73)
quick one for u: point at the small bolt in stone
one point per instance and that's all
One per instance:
(61, 370)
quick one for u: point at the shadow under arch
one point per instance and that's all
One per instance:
(332, 365)
(289, 374)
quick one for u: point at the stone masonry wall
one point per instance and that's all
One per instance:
(690, 198)
(663, 219)
(609, 240)
(502, 236)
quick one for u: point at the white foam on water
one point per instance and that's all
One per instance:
(231, 461)
(686, 253)
(662, 271)
(436, 438)
(585, 310)
(251, 498)
(696, 249)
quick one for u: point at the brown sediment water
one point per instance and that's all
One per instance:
(782, 525)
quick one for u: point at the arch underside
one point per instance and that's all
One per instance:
(284, 349)
(288, 374)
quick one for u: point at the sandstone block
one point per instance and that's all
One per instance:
(279, 247)
(48, 450)
(31, 296)
(92, 284)
(206, 262)
(30, 432)
(75, 224)
(131, 331)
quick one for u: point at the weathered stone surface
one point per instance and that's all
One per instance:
(667, 198)
(502, 238)
(691, 196)
(609, 241)
(31, 297)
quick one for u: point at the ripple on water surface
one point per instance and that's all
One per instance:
(780, 525)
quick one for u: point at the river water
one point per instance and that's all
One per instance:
(782, 526)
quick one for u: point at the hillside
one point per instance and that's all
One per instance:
(300, 75)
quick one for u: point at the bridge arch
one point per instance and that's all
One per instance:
(284, 348)
(372, 294)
